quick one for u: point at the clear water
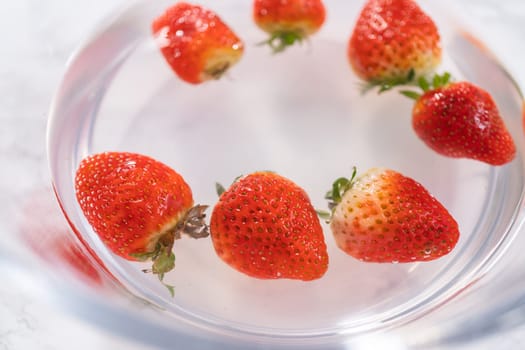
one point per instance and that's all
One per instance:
(300, 114)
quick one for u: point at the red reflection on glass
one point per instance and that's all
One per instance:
(46, 231)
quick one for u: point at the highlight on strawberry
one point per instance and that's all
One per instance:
(264, 226)
(393, 40)
(196, 43)
(288, 22)
(138, 207)
(460, 120)
(385, 217)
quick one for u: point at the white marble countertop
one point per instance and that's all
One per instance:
(37, 39)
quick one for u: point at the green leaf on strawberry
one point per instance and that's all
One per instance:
(138, 207)
(384, 216)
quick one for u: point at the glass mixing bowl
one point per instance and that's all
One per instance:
(301, 114)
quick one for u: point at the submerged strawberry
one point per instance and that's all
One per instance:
(197, 44)
(384, 216)
(265, 226)
(138, 206)
(393, 39)
(461, 120)
(289, 21)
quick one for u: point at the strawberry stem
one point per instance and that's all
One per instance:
(390, 83)
(425, 85)
(192, 224)
(410, 94)
(338, 189)
(219, 189)
(163, 259)
(279, 41)
(335, 195)
(164, 263)
(441, 80)
(325, 215)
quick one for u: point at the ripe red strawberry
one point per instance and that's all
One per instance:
(197, 44)
(265, 226)
(384, 216)
(288, 21)
(138, 206)
(393, 39)
(461, 120)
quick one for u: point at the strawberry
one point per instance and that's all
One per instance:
(265, 226)
(460, 120)
(288, 21)
(138, 206)
(196, 43)
(384, 216)
(393, 39)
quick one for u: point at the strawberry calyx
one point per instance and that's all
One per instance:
(192, 224)
(422, 82)
(220, 189)
(335, 195)
(438, 81)
(162, 257)
(389, 83)
(280, 40)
